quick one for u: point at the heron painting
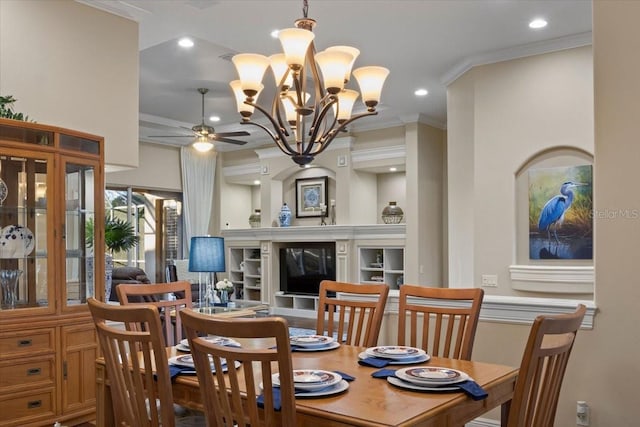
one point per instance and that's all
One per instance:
(560, 213)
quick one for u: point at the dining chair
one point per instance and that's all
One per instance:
(231, 398)
(128, 354)
(157, 295)
(441, 321)
(355, 316)
(542, 369)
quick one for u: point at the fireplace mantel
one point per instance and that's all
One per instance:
(317, 233)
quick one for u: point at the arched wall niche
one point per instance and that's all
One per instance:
(549, 275)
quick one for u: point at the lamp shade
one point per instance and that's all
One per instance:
(207, 254)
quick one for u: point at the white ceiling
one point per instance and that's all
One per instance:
(425, 44)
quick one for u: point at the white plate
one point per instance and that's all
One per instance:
(230, 342)
(431, 375)
(327, 391)
(310, 379)
(182, 347)
(406, 361)
(394, 352)
(330, 346)
(411, 386)
(187, 361)
(311, 340)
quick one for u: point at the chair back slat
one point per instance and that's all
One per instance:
(231, 398)
(136, 363)
(427, 319)
(542, 369)
(156, 294)
(358, 320)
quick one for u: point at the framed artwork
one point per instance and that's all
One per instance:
(560, 213)
(311, 197)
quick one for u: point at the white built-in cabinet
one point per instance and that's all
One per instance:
(245, 272)
(382, 264)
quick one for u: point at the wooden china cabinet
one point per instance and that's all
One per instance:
(51, 187)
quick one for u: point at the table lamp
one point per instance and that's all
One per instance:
(206, 255)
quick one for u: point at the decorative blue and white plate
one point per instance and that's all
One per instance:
(4, 191)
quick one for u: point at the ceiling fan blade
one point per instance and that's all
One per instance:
(230, 141)
(170, 136)
(238, 133)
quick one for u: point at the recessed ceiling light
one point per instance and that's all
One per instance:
(185, 42)
(393, 169)
(256, 182)
(214, 118)
(537, 23)
(421, 92)
(274, 33)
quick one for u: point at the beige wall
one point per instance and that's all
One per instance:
(73, 66)
(500, 116)
(603, 369)
(611, 352)
(159, 169)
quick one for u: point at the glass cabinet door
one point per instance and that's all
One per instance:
(25, 231)
(80, 210)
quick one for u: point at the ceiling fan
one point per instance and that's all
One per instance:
(203, 130)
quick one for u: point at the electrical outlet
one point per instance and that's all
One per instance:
(583, 417)
(489, 281)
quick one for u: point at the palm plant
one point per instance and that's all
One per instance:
(119, 234)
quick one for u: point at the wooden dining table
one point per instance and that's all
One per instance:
(369, 401)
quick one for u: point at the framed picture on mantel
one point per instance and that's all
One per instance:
(311, 197)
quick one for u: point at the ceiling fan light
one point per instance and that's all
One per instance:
(371, 79)
(279, 67)
(251, 68)
(346, 100)
(295, 42)
(353, 51)
(202, 144)
(333, 65)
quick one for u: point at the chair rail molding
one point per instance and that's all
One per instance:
(515, 310)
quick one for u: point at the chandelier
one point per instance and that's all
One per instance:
(312, 104)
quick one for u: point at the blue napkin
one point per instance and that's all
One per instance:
(345, 376)
(277, 405)
(472, 389)
(374, 362)
(175, 370)
(383, 373)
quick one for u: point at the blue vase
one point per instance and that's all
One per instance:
(285, 216)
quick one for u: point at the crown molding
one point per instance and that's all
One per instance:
(538, 48)
(239, 170)
(381, 153)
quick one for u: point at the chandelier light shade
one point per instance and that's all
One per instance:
(312, 104)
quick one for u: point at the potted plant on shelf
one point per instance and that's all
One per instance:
(119, 235)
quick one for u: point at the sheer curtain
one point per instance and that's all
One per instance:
(198, 177)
